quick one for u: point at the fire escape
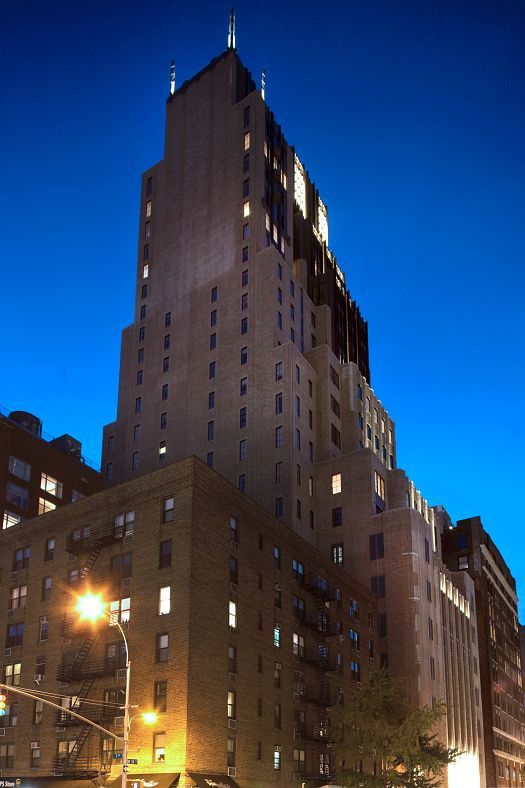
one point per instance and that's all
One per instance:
(317, 654)
(82, 672)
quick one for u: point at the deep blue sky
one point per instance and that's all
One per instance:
(409, 115)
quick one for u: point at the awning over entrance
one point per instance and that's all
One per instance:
(213, 780)
(153, 780)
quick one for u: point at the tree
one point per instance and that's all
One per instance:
(388, 745)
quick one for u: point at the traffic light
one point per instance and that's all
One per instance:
(3, 701)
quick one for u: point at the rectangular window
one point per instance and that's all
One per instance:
(335, 436)
(244, 325)
(338, 554)
(213, 341)
(17, 495)
(246, 163)
(21, 558)
(14, 635)
(377, 546)
(246, 140)
(139, 381)
(277, 758)
(164, 392)
(241, 482)
(211, 400)
(135, 461)
(337, 516)
(162, 646)
(243, 449)
(47, 584)
(45, 506)
(168, 510)
(165, 553)
(279, 370)
(230, 752)
(279, 437)
(232, 614)
(336, 408)
(213, 318)
(213, 295)
(245, 232)
(244, 275)
(18, 597)
(298, 439)
(160, 695)
(145, 255)
(12, 674)
(278, 403)
(231, 705)
(164, 600)
(49, 552)
(279, 320)
(243, 418)
(143, 312)
(10, 519)
(211, 370)
(159, 747)
(163, 421)
(243, 389)
(140, 356)
(336, 483)
(147, 234)
(427, 551)
(377, 585)
(20, 468)
(278, 472)
(279, 507)
(379, 484)
(211, 430)
(246, 208)
(244, 355)
(277, 635)
(138, 404)
(145, 271)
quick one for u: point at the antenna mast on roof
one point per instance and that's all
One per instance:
(231, 31)
(172, 78)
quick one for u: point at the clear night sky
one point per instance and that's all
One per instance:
(410, 117)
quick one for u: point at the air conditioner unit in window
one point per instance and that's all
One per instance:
(126, 581)
(7, 652)
(118, 722)
(234, 588)
(232, 723)
(121, 674)
(232, 677)
(234, 544)
(278, 587)
(35, 745)
(60, 729)
(232, 771)
(38, 677)
(43, 619)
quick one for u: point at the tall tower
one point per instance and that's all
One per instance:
(242, 317)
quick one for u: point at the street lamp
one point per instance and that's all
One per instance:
(92, 607)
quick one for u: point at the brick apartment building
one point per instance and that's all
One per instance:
(38, 474)
(469, 548)
(246, 641)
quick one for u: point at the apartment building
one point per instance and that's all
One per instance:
(468, 548)
(244, 639)
(39, 473)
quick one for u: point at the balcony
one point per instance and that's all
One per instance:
(321, 623)
(102, 715)
(90, 538)
(320, 587)
(95, 577)
(85, 768)
(87, 670)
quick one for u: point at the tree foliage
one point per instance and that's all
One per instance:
(380, 729)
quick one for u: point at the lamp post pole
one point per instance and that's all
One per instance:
(126, 706)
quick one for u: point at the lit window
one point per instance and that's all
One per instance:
(336, 483)
(50, 485)
(145, 271)
(18, 597)
(231, 705)
(148, 209)
(232, 615)
(379, 485)
(277, 758)
(119, 611)
(12, 674)
(164, 600)
(337, 552)
(159, 747)
(10, 519)
(45, 506)
(246, 208)
(162, 449)
(277, 635)
(246, 140)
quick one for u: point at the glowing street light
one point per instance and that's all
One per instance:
(90, 607)
(149, 717)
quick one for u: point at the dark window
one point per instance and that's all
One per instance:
(377, 547)
(166, 364)
(335, 436)
(244, 355)
(142, 333)
(242, 418)
(163, 421)
(213, 341)
(139, 377)
(162, 645)
(14, 635)
(49, 553)
(211, 430)
(382, 625)
(165, 553)
(138, 404)
(279, 370)
(144, 291)
(246, 188)
(143, 312)
(213, 318)
(245, 232)
(244, 258)
(279, 507)
(377, 585)
(246, 117)
(211, 370)
(140, 357)
(167, 319)
(21, 558)
(209, 459)
(160, 695)
(246, 163)
(241, 481)
(164, 392)
(213, 296)
(145, 256)
(243, 386)
(279, 403)
(244, 325)
(211, 400)
(149, 187)
(244, 279)
(337, 516)
(427, 551)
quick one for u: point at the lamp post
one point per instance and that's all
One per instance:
(91, 607)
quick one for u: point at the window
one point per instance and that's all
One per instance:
(18, 597)
(21, 558)
(230, 752)
(142, 333)
(246, 163)
(234, 529)
(164, 600)
(213, 341)
(19, 468)
(277, 673)
(298, 643)
(47, 584)
(232, 659)
(167, 319)
(38, 712)
(379, 485)
(160, 693)
(163, 421)
(162, 646)
(138, 404)
(244, 275)
(355, 670)
(360, 393)
(244, 325)
(43, 631)
(10, 519)
(243, 449)
(211, 430)
(109, 470)
(377, 584)
(277, 758)
(244, 355)
(278, 472)
(243, 387)
(298, 439)
(432, 668)
(427, 551)
(242, 418)
(211, 370)
(234, 570)
(45, 506)
(278, 403)
(463, 562)
(337, 516)
(211, 400)
(246, 117)
(119, 610)
(17, 495)
(377, 546)
(335, 436)
(246, 208)
(213, 318)
(277, 557)
(140, 355)
(14, 635)
(298, 571)
(159, 747)
(163, 393)
(143, 312)
(246, 140)
(232, 614)
(7, 756)
(213, 295)
(168, 510)
(298, 407)
(135, 461)
(241, 482)
(336, 408)
(49, 552)
(144, 291)
(277, 635)
(231, 705)
(277, 716)
(279, 507)
(139, 383)
(334, 377)
(338, 554)
(165, 553)
(12, 674)
(245, 232)
(336, 483)
(145, 271)
(297, 374)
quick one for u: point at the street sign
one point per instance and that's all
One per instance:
(133, 760)
(117, 756)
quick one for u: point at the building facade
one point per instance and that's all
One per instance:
(37, 474)
(245, 640)
(469, 548)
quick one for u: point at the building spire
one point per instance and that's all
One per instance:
(263, 83)
(172, 78)
(231, 31)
